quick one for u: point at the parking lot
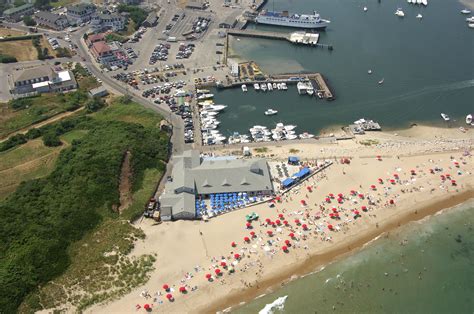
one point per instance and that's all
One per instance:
(186, 23)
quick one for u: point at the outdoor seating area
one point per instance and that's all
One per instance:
(220, 203)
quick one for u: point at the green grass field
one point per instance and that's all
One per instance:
(133, 114)
(73, 135)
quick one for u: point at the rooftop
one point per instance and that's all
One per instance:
(18, 9)
(33, 73)
(49, 16)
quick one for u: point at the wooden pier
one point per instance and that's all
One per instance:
(316, 79)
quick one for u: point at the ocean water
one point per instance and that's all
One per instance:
(423, 267)
(427, 66)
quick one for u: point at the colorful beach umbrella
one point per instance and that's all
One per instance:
(182, 289)
(284, 248)
(169, 296)
(166, 287)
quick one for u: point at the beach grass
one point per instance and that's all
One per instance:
(29, 161)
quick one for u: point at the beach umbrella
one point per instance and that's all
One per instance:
(233, 244)
(252, 234)
(147, 307)
(331, 215)
(278, 198)
(353, 192)
(236, 255)
(336, 215)
(287, 242)
(442, 177)
(373, 187)
(166, 287)
(331, 195)
(364, 208)
(340, 195)
(278, 222)
(456, 164)
(309, 188)
(448, 175)
(380, 180)
(268, 220)
(305, 227)
(413, 171)
(340, 200)
(248, 225)
(285, 223)
(395, 175)
(379, 157)
(280, 216)
(330, 227)
(328, 200)
(217, 271)
(392, 202)
(208, 276)
(334, 209)
(270, 233)
(284, 248)
(297, 221)
(292, 235)
(303, 202)
(182, 289)
(356, 212)
(169, 296)
(223, 264)
(361, 195)
(453, 182)
(392, 181)
(246, 239)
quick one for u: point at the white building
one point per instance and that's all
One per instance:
(115, 22)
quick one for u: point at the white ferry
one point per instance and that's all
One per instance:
(284, 18)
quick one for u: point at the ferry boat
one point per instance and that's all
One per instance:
(284, 18)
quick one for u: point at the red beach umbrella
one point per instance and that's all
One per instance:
(252, 234)
(268, 220)
(331, 215)
(272, 223)
(364, 208)
(340, 195)
(392, 202)
(223, 264)
(233, 244)
(246, 239)
(328, 200)
(353, 192)
(292, 235)
(169, 296)
(236, 255)
(356, 212)
(309, 188)
(456, 164)
(278, 222)
(284, 248)
(361, 195)
(285, 223)
(331, 195)
(379, 157)
(287, 242)
(147, 307)
(208, 276)
(339, 200)
(280, 216)
(297, 221)
(392, 181)
(270, 233)
(453, 182)
(305, 227)
(373, 187)
(182, 289)
(166, 287)
(303, 202)
(448, 175)
(217, 271)
(442, 177)
(380, 180)
(334, 209)
(395, 175)
(248, 225)
(330, 227)
(278, 198)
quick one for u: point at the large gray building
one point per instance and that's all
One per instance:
(196, 176)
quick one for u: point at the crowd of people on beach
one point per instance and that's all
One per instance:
(294, 229)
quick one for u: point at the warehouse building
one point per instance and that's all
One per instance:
(195, 177)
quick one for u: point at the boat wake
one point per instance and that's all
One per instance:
(278, 304)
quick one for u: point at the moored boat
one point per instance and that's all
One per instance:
(270, 112)
(445, 117)
(244, 87)
(469, 119)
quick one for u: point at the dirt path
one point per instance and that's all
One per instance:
(125, 186)
(43, 123)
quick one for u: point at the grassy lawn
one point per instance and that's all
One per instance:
(23, 50)
(7, 32)
(87, 83)
(29, 161)
(40, 108)
(135, 114)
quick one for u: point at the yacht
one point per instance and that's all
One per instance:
(465, 11)
(271, 112)
(445, 117)
(419, 16)
(399, 13)
(215, 108)
(263, 87)
(270, 86)
(290, 127)
(424, 2)
(470, 25)
(283, 86)
(310, 91)
(205, 96)
(469, 119)
(256, 86)
(206, 113)
(470, 19)
(244, 87)
(306, 135)
(279, 86)
(274, 85)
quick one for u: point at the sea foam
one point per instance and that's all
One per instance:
(278, 304)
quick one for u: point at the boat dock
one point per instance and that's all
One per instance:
(310, 39)
(316, 79)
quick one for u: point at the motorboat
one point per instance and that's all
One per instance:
(290, 127)
(399, 13)
(205, 96)
(270, 86)
(279, 86)
(469, 119)
(291, 137)
(470, 25)
(256, 86)
(283, 86)
(369, 72)
(310, 91)
(419, 16)
(206, 113)
(365, 9)
(263, 87)
(244, 87)
(424, 2)
(320, 95)
(214, 108)
(470, 19)
(306, 135)
(202, 91)
(465, 11)
(445, 117)
(274, 85)
(381, 81)
(271, 112)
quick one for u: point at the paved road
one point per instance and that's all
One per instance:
(177, 139)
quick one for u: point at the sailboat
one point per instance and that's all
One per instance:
(381, 81)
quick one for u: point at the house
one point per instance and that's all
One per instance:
(80, 13)
(51, 20)
(100, 91)
(151, 20)
(17, 14)
(112, 21)
(194, 177)
(102, 52)
(41, 79)
(94, 38)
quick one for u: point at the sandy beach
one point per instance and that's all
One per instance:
(378, 194)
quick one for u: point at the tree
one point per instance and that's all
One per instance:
(51, 139)
(33, 133)
(95, 104)
(28, 20)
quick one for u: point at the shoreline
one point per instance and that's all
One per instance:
(235, 299)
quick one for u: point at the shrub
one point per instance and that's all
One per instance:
(51, 139)
(28, 20)
(7, 59)
(12, 142)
